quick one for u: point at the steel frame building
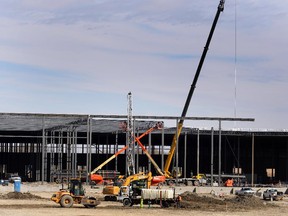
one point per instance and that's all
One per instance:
(53, 147)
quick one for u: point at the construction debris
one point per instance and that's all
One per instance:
(209, 202)
(19, 195)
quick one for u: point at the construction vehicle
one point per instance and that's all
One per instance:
(112, 191)
(97, 179)
(74, 194)
(137, 182)
(162, 197)
(167, 173)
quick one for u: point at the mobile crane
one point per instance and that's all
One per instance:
(190, 94)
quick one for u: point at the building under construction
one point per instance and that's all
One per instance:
(53, 147)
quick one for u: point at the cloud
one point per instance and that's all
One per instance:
(67, 53)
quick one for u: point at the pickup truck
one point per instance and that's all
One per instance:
(273, 193)
(245, 191)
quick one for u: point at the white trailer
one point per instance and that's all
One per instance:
(163, 197)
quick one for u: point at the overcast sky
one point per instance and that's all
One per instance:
(84, 56)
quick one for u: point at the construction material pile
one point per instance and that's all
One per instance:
(213, 203)
(19, 195)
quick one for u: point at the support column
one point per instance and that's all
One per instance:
(177, 139)
(220, 145)
(212, 155)
(185, 155)
(150, 152)
(44, 149)
(162, 147)
(88, 150)
(116, 150)
(198, 151)
(252, 173)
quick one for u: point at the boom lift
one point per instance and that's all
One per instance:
(99, 179)
(191, 91)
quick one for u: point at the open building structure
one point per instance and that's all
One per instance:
(53, 147)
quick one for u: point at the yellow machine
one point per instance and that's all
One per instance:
(167, 173)
(74, 194)
(112, 191)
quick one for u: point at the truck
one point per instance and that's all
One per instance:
(273, 194)
(163, 197)
(245, 191)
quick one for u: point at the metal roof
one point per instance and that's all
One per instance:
(110, 123)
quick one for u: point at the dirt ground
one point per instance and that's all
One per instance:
(35, 200)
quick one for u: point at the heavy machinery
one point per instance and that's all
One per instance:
(190, 94)
(137, 182)
(99, 179)
(74, 194)
(162, 197)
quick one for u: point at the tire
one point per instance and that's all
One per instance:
(127, 202)
(165, 204)
(66, 201)
(196, 183)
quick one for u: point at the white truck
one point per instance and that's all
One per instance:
(163, 197)
(272, 194)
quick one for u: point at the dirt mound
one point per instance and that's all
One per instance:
(212, 203)
(18, 195)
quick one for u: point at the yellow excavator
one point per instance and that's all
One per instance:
(137, 181)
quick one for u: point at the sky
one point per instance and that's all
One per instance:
(85, 56)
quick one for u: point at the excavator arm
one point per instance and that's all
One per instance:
(191, 91)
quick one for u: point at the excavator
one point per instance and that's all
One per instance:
(136, 181)
(167, 173)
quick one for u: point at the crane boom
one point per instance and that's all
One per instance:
(191, 91)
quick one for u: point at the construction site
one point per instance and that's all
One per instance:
(118, 164)
(46, 147)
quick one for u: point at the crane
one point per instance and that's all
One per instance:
(191, 91)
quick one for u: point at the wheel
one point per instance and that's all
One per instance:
(196, 183)
(165, 204)
(127, 202)
(58, 181)
(66, 201)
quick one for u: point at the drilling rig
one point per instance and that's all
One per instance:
(130, 138)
